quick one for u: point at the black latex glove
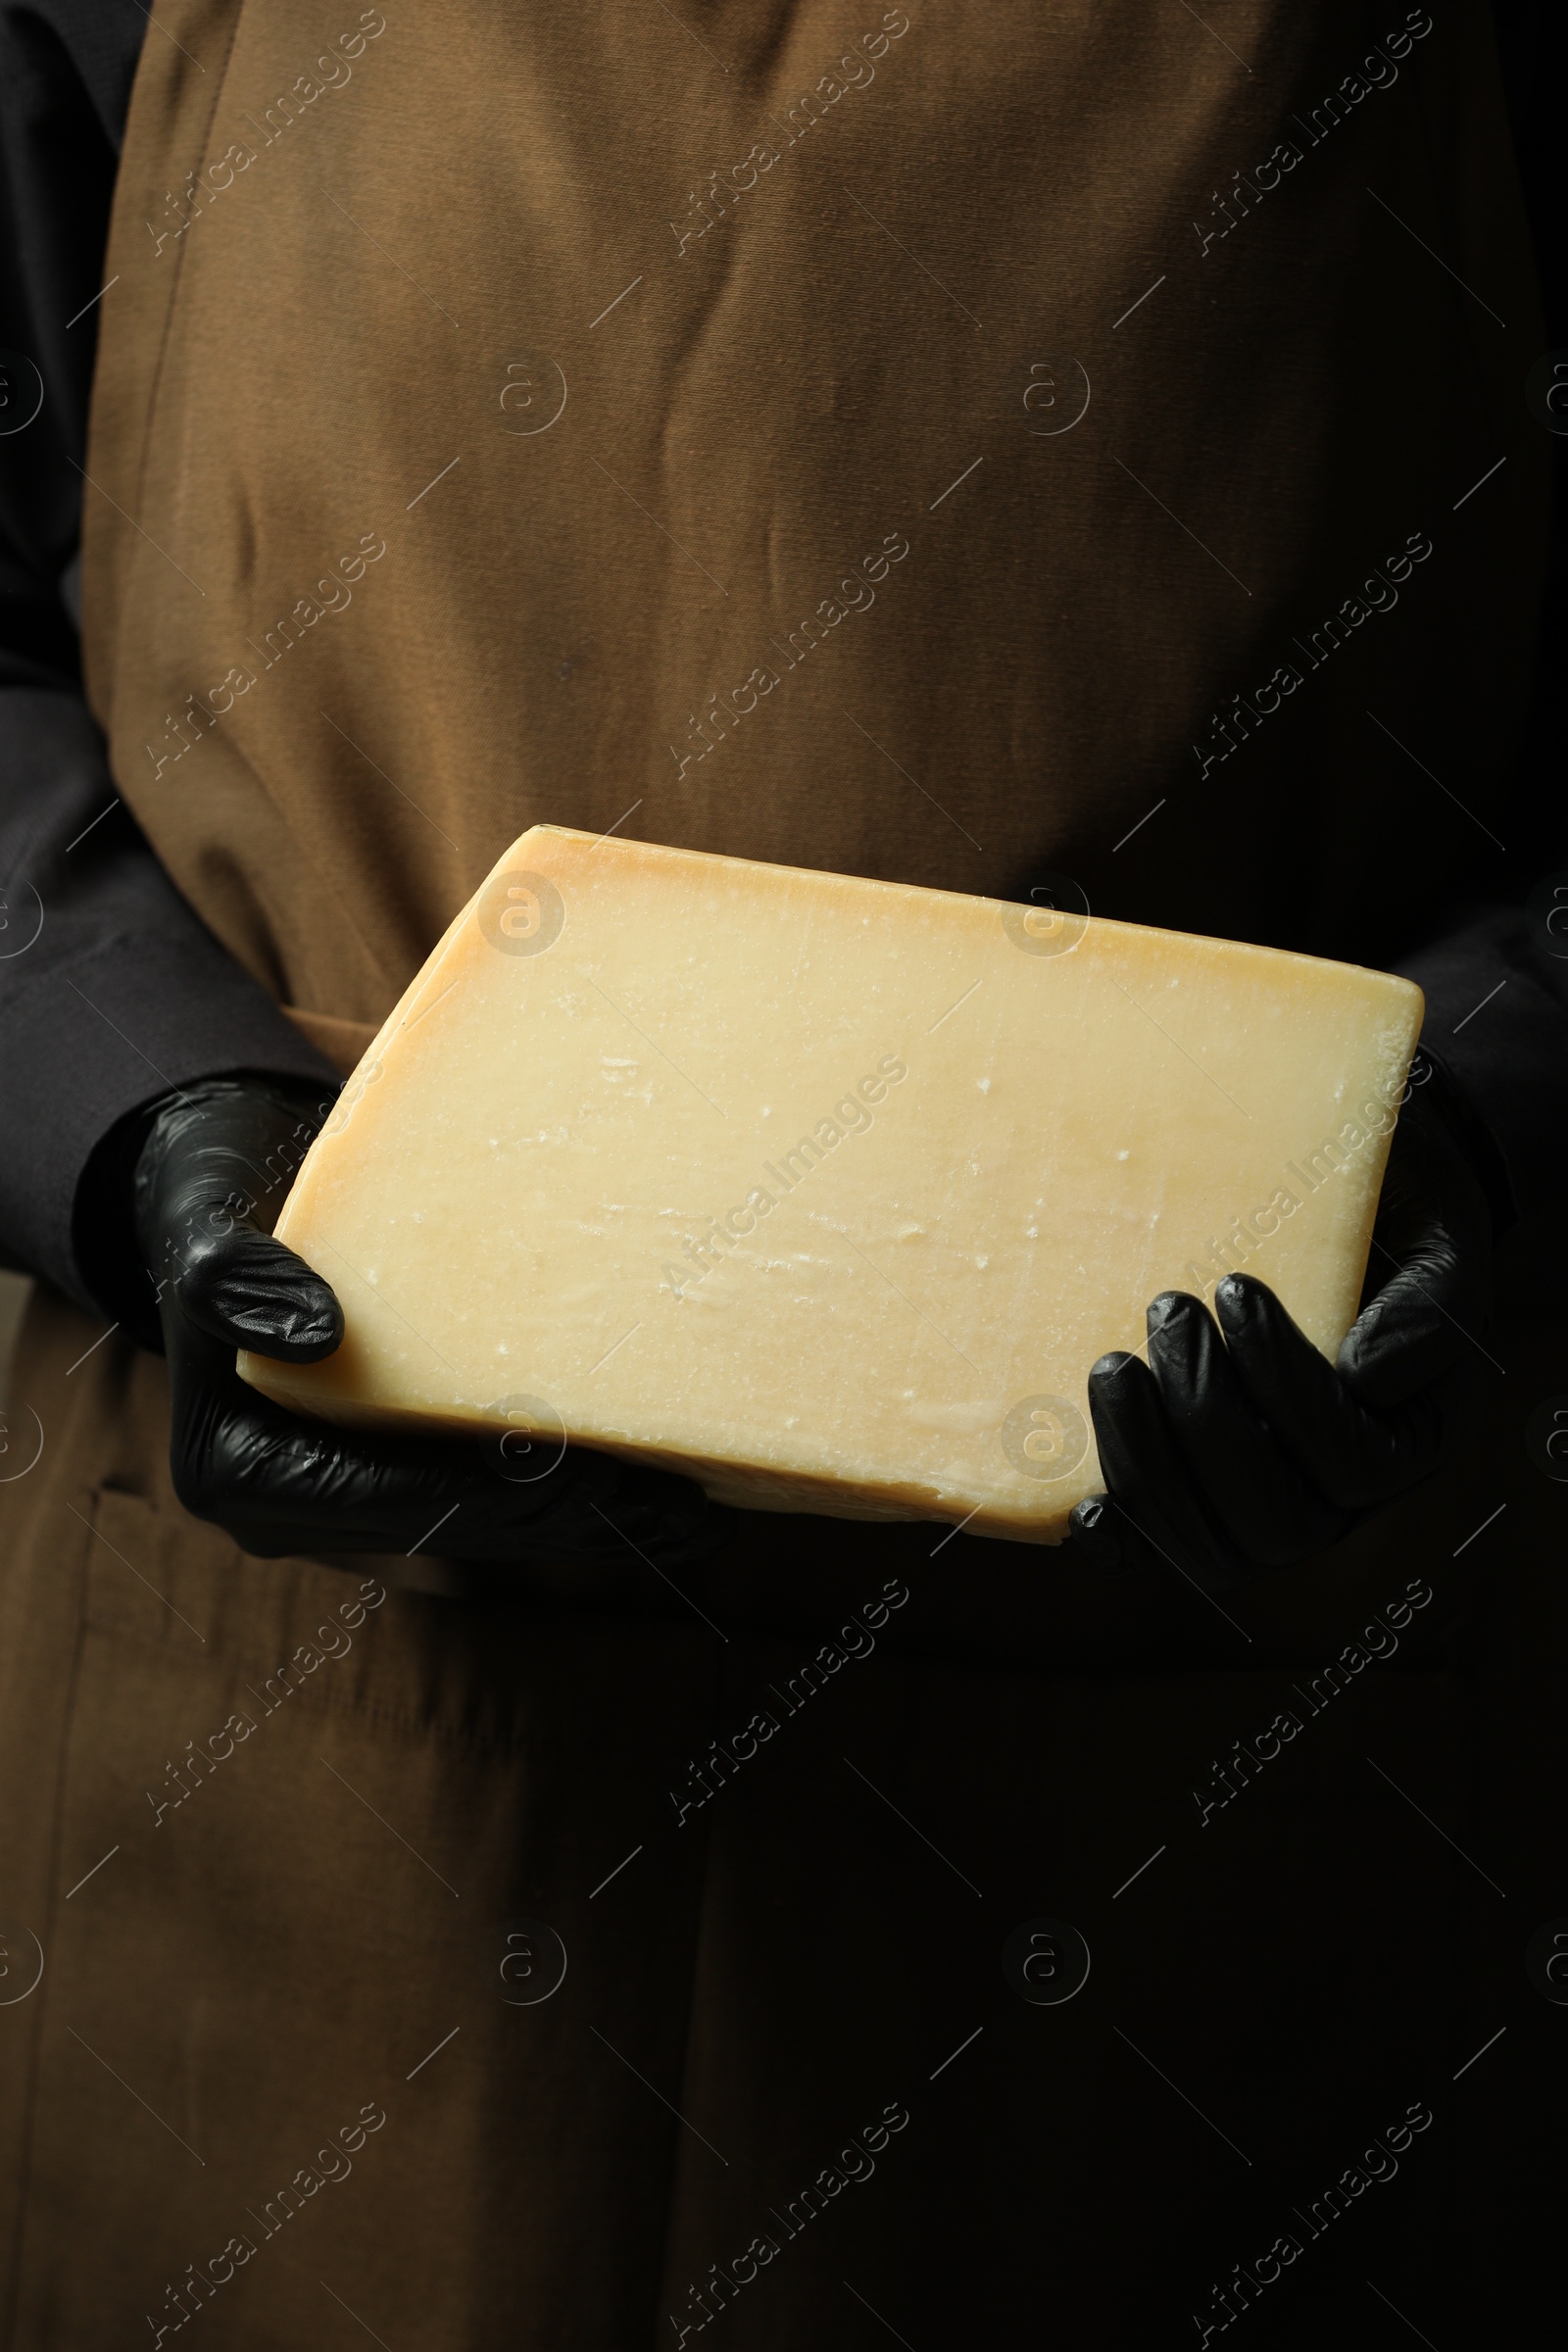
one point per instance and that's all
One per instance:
(1238, 1448)
(209, 1178)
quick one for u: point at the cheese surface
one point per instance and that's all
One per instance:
(826, 1192)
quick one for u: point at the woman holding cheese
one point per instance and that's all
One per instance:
(1144, 419)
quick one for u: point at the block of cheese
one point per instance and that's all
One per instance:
(826, 1192)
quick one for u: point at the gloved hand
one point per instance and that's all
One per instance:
(209, 1178)
(1238, 1448)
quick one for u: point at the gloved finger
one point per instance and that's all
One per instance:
(1429, 1275)
(1147, 1479)
(249, 1290)
(1355, 1456)
(587, 1509)
(221, 1156)
(1106, 1544)
(1416, 1329)
(1271, 1512)
(281, 1484)
(1094, 1530)
(1132, 1596)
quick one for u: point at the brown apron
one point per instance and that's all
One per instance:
(926, 443)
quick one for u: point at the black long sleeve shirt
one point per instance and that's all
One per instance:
(112, 991)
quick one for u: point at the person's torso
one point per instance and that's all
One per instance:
(923, 444)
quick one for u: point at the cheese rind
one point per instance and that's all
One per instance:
(827, 1192)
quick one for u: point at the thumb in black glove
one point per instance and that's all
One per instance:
(209, 1178)
(1238, 1448)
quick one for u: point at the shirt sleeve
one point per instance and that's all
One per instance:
(1495, 969)
(112, 990)
(1496, 989)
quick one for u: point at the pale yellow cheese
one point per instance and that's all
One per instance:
(829, 1192)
